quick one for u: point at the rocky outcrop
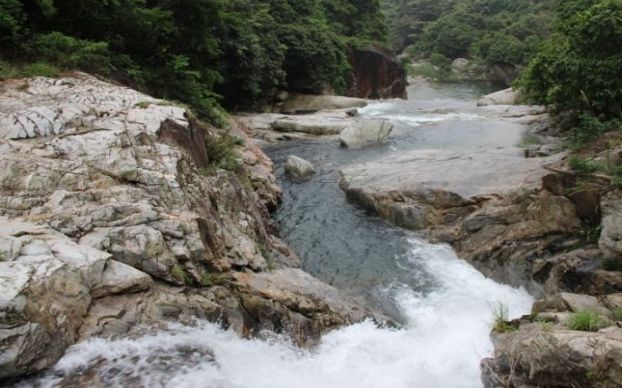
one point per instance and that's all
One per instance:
(377, 74)
(298, 169)
(541, 350)
(116, 212)
(365, 133)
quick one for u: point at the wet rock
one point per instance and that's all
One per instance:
(377, 74)
(501, 223)
(318, 306)
(365, 133)
(298, 168)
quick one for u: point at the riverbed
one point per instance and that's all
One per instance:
(444, 308)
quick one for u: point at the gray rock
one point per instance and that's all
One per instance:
(503, 97)
(365, 133)
(298, 168)
(611, 235)
(301, 103)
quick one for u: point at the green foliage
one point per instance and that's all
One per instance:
(215, 279)
(501, 323)
(39, 69)
(492, 31)
(586, 321)
(580, 66)
(588, 127)
(205, 53)
(180, 274)
(221, 152)
(583, 165)
(68, 52)
(617, 313)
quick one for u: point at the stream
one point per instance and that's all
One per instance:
(444, 306)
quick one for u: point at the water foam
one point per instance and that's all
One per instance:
(387, 110)
(446, 336)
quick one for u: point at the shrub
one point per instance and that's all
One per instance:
(39, 69)
(586, 321)
(71, 53)
(617, 314)
(221, 151)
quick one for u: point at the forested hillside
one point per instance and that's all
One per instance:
(491, 31)
(202, 52)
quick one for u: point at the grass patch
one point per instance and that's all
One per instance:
(180, 274)
(41, 69)
(221, 152)
(501, 322)
(215, 279)
(586, 321)
(617, 313)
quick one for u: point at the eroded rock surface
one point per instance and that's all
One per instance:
(365, 133)
(115, 213)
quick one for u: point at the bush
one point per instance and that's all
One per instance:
(39, 69)
(580, 66)
(72, 53)
(586, 321)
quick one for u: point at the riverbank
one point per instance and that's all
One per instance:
(520, 220)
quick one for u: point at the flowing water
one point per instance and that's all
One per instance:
(444, 305)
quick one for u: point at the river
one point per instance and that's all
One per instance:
(444, 306)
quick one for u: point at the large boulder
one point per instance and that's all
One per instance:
(503, 97)
(377, 74)
(307, 103)
(298, 169)
(364, 133)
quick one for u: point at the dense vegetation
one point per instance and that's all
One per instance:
(491, 31)
(202, 52)
(580, 67)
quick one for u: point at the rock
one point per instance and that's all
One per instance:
(47, 282)
(460, 65)
(315, 302)
(120, 278)
(365, 133)
(298, 168)
(555, 357)
(304, 103)
(312, 127)
(566, 301)
(503, 97)
(113, 214)
(500, 223)
(502, 73)
(611, 234)
(377, 74)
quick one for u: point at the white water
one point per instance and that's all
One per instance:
(446, 336)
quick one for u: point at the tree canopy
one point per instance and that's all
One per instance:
(238, 52)
(492, 31)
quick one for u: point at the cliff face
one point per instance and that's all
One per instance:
(113, 213)
(377, 74)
